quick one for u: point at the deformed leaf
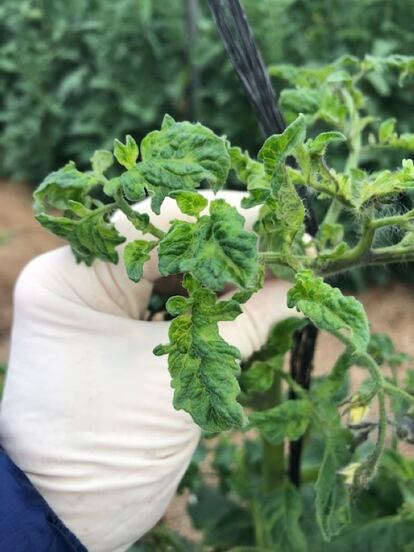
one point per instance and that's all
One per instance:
(216, 249)
(190, 203)
(181, 156)
(126, 154)
(252, 173)
(386, 132)
(136, 254)
(202, 365)
(280, 340)
(101, 161)
(319, 145)
(279, 146)
(133, 184)
(387, 183)
(259, 377)
(89, 232)
(62, 186)
(283, 214)
(329, 310)
(288, 420)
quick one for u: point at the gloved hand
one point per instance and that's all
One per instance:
(87, 410)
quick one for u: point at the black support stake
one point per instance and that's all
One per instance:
(244, 54)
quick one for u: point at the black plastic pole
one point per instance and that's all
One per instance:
(244, 54)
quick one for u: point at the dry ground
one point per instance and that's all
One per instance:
(390, 310)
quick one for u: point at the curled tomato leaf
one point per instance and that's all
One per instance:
(216, 249)
(202, 365)
(329, 310)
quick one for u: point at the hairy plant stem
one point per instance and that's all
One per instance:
(354, 141)
(369, 257)
(259, 529)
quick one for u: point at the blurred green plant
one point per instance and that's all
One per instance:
(74, 74)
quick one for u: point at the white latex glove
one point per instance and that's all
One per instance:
(87, 410)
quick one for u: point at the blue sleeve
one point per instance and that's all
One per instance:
(27, 523)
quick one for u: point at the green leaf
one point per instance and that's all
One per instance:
(279, 146)
(330, 233)
(390, 533)
(260, 375)
(216, 249)
(387, 183)
(202, 365)
(224, 521)
(136, 254)
(329, 310)
(112, 186)
(190, 203)
(181, 156)
(332, 497)
(281, 512)
(328, 255)
(133, 184)
(386, 132)
(253, 175)
(62, 186)
(89, 232)
(126, 154)
(288, 420)
(282, 215)
(101, 161)
(280, 340)
(319, 145)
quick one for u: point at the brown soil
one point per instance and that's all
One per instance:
(390, 310)
(21, 239)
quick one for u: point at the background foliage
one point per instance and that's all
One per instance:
(75, 74)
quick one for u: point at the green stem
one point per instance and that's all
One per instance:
(380, 383)
(354, 141)
(273, 464)
(397, 220)
(134, 217)
(259, 529)
(333, 212)
(391, 389)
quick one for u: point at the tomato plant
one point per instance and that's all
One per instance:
(338, 152)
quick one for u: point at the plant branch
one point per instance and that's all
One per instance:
(135, 217)
(371, 462)
(273, 464)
